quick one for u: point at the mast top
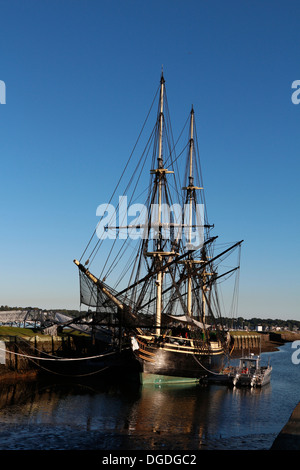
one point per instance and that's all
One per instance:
(162, 80)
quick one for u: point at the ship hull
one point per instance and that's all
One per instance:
(174, 362)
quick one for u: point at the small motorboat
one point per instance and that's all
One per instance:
(250, 373)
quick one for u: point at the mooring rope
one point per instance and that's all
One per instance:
(70, 375)
(210, 371)
(62, 359)
(57, 359)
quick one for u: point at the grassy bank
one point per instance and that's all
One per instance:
(16, 331)
(32, 332)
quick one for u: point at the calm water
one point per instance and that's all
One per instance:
(52, 416)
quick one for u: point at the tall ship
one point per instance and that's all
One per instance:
(161, 267)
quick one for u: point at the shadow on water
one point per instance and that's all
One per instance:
(117, 415)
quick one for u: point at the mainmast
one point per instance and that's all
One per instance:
(191, 183)
(160, 173)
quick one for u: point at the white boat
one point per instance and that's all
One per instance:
(250, 373)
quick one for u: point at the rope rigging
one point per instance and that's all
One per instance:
(123, 172)
(131, 270)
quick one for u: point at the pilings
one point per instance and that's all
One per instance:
(250, 341)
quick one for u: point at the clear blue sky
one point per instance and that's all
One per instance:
(80, 76)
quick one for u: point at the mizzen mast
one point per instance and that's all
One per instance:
(190, 199)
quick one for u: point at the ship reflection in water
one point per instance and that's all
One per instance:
(46, 416)
(93, 416)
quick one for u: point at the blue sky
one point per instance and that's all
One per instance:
(80, 77)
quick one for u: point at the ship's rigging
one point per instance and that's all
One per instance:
(164, 276)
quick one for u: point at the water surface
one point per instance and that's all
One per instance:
(108, 416)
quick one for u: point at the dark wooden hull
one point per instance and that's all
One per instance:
(116, 363)
(164, 361)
